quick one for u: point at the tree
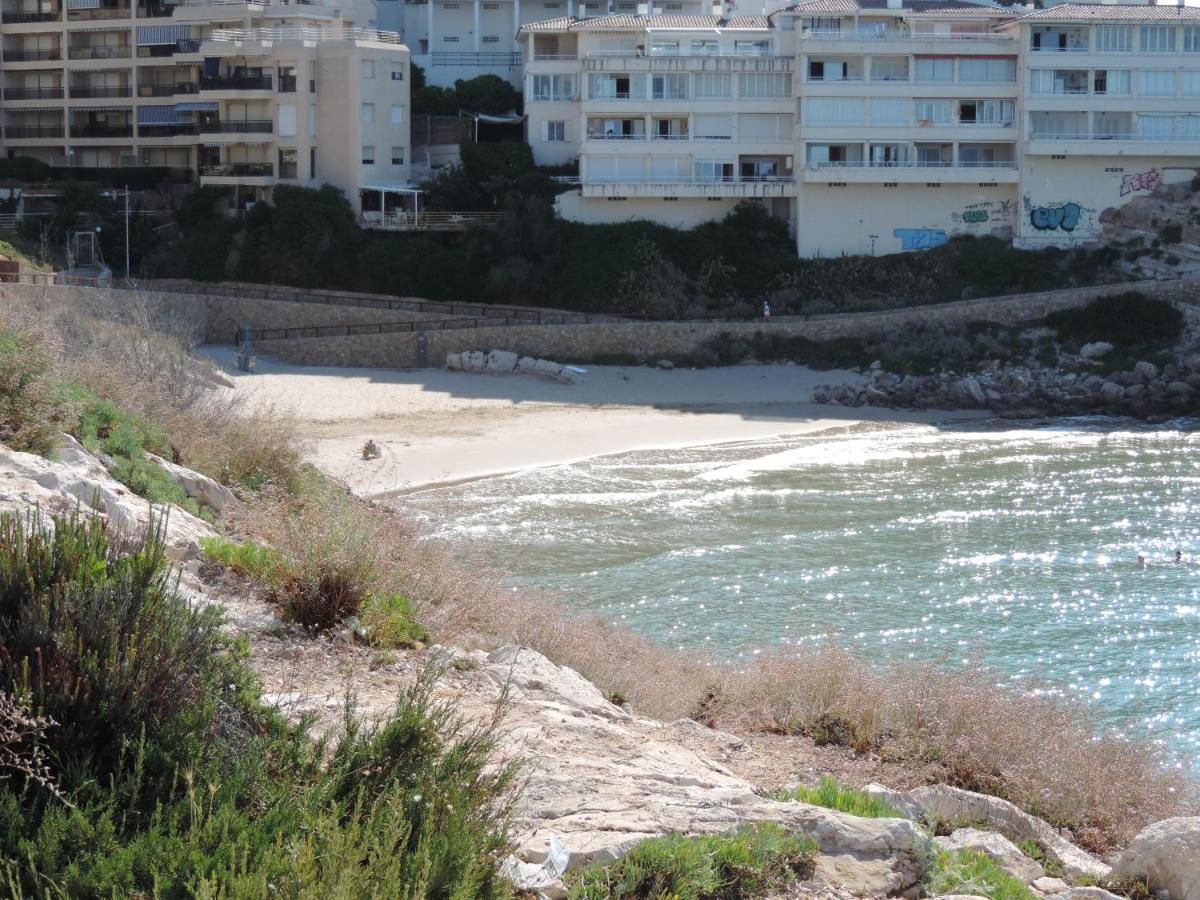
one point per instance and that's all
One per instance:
(489, 94)
(309, 238)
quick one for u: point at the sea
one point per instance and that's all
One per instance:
(1046, 553)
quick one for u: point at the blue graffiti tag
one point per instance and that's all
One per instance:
(1048, 218)
(919, 238)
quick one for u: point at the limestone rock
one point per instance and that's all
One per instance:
(501, 361)
(1095, 350)
(1111, 392)
(665, 364)
(1147, 371)
(1167, 855)
(473, 361)
(454, 362)
(1003, 852)
(199, 487)
(1085, 893)
(1048, 885)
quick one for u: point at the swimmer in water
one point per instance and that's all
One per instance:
(1178, 556)
(1141, 561)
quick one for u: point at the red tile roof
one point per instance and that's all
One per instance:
(1096, 12)
(948, 8)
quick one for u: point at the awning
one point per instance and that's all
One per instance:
(198, 106)
(390, 188)
(155, 35)
(83, 4)
(92, 28)
(510, 118)
(158, 115)
(219, 142)
(96, 109)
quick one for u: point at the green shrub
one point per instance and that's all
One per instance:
(1127, 321)
(974, 872)
(1171, 233)
(249, 559)
(832, 795)
(391, 622)
(34, 408)
(754, 861)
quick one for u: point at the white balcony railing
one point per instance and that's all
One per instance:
(872, 35)
(615, 137)
(1036, 135)
(912, 164)
(688, 179)
(313, 33)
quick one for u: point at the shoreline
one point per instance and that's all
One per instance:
(437, 428)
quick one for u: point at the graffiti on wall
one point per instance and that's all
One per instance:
(985, 212)
(1068, 216)
(1141, 181)
(920, 238)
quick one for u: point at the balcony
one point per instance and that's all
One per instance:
(732, 62)
(875, 36)
(174, 129)
(88, 92)
(747, 186)
(37, 93)
(102, 131)
(156, 11)
(124, 51)
(249, 126)
(235, 82)
(497, 60)
(24, 132)
(159, 90)
(25, 18)
(99, 15)
(12, 56)
(912, 171)
(238, 170)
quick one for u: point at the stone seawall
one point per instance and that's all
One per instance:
(652, 340)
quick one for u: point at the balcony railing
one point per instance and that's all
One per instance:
(688, 179)
(1036, 135)
(249, 126)
(89, 92)
(554, 57)
(24, 18)
(124, 51)
(311, 33)
(156, 90)
(157, 11)
(36, 93)
(913, 164)
(670, 137)
(598, 136)
(31, 55)
(1058, 49)
(600, 61)
(15, 132)
(95, 15)
(235, 83)
(238, 170)
(498, 60)
(891, 36)
(102, 131)
(170, 130)
(830, 79)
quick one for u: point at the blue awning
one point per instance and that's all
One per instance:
(152, 35)
(159, 115)
(83, 4)
(198, 106)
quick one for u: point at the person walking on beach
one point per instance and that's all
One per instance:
(766, 311)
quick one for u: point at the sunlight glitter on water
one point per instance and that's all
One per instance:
(1017, 547)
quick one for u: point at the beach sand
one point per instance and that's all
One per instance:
(436, 427)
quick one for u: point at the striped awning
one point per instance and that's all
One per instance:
(104, 109)
(92, 28)
(156, 35)
(198, 106)
(233, 142)
(159, 115)
(83, 4)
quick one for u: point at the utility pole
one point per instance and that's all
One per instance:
(126, 235)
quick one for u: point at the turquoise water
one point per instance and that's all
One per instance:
(1017, 547)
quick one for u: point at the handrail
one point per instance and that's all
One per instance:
(689, 179)
(905, 36)
(913, 164)
(406, 327)
(303, 33)
(427, 221)
(1124, 136)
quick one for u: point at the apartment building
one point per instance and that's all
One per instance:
(246, 94)
(872, 126)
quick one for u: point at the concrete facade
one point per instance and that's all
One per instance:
(247, 95)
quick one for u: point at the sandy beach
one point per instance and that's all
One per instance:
(436, 427)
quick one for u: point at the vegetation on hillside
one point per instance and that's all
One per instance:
(832, 794)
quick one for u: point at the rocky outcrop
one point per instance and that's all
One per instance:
(77, 480)
(951, 806)
(200, 488)
(1167, 855)
(505, 362)
(1003, 852)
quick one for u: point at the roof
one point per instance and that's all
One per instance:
(1088, 12)
(644, 23)
(947, 8)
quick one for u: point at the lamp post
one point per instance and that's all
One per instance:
(114, 195)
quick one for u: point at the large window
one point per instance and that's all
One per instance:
(668, 87)
(660, 47)
(889, 68)
(712, 169)
(617, 87)
(712, 85)
(1112, 82)
(935, 68)
(935, 112)
(985, 112)
(1158, 39)
(770, 127)
(554, 132)
(554, 87)
(757, 85)
(889, 111)
(833, 110)
(1114, 38)
(1156, 83)
(987, 69)
(1190, 83)
(705, 48)
(712, 127)
(1191, 39)
(752, 48)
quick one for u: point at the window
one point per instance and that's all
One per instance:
(450, 39)
(490, 39)
(889, 111)
(752, 48)
(668, 87)
(987, 69)
(368, 156)
(1191, 39)
(368, 68)
(287, 120)
(713, 127)
(673, 7)
(554, 132)
(491, 5)
(1041, 81)
(1114, 38)
(834, 110)
(1191, 83)
(450, 5)
(617, 87)
(712, 170)
(551, 6)
(397, 156)
(935, 112)
(397, 115)
(287, 79)
(889, 68)
(705, 48)
(287, 162)
(1156, 83)
(1112, 82)
(1155, 125)
(312, 162)
(1158, 39)
(312, 120)
(664, 48)
(985, 112)
(712, 85)
(367, 113)
(935, 68)
(397, 73)
(764, 127)
(554, 87)
(758, 85)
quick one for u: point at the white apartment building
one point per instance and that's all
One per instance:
(246, 94)
(872, 126)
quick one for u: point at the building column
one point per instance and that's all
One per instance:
(476, 12)
(429, 27)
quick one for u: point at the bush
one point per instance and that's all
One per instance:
(753, 862)
(1128, 321)
(34, 408)
(832, 795)
(1171, 233)
(974, 872)
(248, 559)
(391, 622)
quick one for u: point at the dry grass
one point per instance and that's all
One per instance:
(1042, 753)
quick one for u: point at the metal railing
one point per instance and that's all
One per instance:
(1058, 49)
(37, 93)
(238, 170)
(249, 126)
(16, 132)
(32, 55)
(125, 51)
(830, 35)
(101, 14)
(102, 131)
(303, 33)
(689, 179)
(155, 12)
(24, 18)
(554, 57)
(913, 164)
(83, 91)
(428, 221)
(170, 129)
(235, 82)
(444, 58)
(596, 136)
(600, 61)
(1118, 136)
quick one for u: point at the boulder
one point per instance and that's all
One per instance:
(1048, 885)
(1179, 389)
(199, 487)
(1111, 392)
(1086, 893)
(1147, 371)
(454, 362)
(974, 390)
(473, 361)
(526, 364)
(665, 364)
(501, 362)
(1002, 851)
(1167, 855)
(1095, 349)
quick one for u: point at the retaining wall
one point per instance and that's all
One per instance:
(655, 340)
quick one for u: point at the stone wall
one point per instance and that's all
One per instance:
(226, 315)
(654, 340)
